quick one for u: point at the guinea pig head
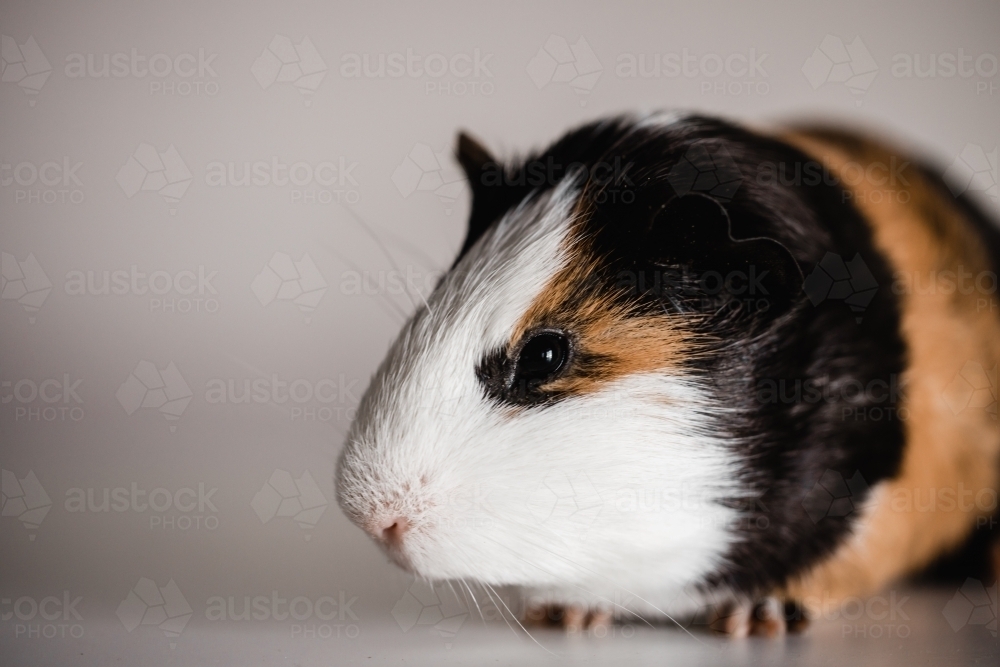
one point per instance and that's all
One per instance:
(545, 416)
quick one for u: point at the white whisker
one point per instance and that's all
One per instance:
(515, 619)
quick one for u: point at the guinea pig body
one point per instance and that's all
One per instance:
(679, 365)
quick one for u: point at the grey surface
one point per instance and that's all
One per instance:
(915, 638)
(232, 113)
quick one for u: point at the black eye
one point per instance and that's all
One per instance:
(542, 357)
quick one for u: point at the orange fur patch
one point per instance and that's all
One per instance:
(951, 462)
(616, 337)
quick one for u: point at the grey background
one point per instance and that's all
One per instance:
(232, 113)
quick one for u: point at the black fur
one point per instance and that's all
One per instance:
(671, 205)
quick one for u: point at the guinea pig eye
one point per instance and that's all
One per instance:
(542, 357)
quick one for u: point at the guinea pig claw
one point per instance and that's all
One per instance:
(732, 619)
(571, 618)
(769, 617)
(587, 620)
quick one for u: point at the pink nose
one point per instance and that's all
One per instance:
(391, 531)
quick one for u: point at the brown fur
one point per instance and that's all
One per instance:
(921, 233)
(615, 339)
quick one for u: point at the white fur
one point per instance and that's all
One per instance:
(614, 493)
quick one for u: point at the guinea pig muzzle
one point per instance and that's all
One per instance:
(391, 531)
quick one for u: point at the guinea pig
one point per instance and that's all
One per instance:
(685, 368)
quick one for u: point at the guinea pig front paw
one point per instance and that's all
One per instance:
(571, 618)
(769, 617)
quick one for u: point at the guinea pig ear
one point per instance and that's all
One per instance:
(473, 156)
(488, 195)
(757, 274)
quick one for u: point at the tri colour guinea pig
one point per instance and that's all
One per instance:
(707, 370)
